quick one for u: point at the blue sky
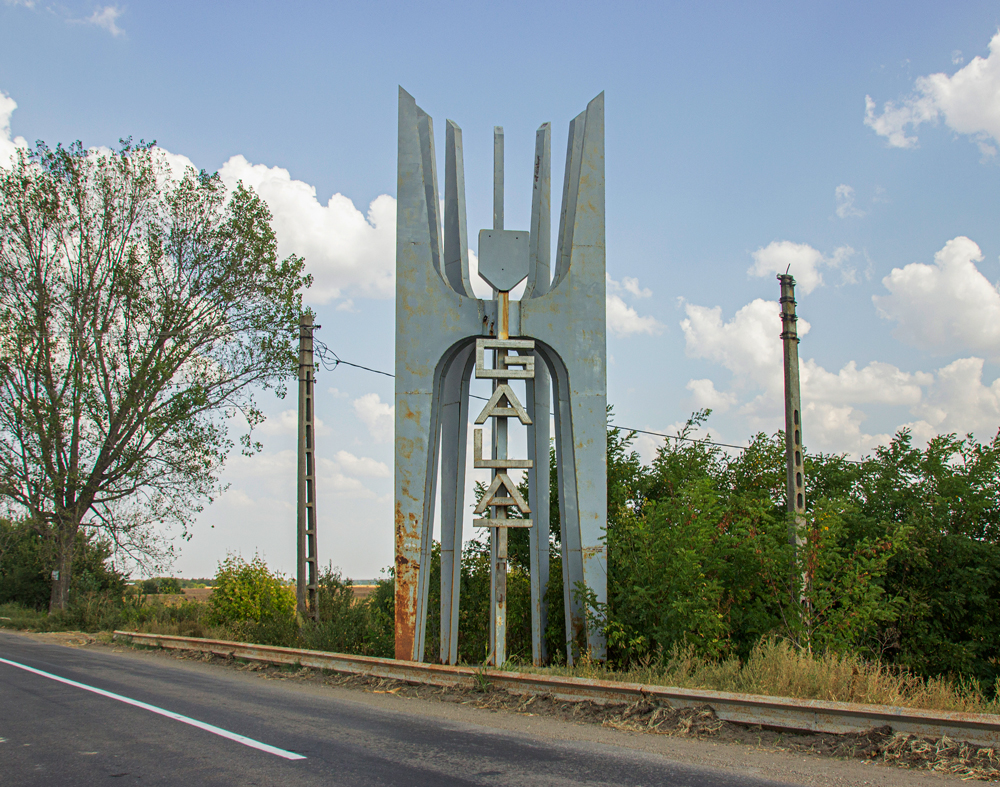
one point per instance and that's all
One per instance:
(739, 140)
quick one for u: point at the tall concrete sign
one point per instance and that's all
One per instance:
(553, 340)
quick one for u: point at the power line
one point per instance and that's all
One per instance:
(331, 364)
(679, 437)
(323, 351)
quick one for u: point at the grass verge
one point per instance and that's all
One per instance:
(774, 667)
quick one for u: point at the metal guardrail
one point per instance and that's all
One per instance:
(774, 712)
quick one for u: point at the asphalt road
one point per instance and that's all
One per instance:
(56, 733)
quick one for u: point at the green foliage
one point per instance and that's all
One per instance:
(349, 626)
(474, 608)
(153, 308)
(948, 575)
(169, 585)
(700, 554)
(899, 554)
(252, 601)
(845, 577)
(24, 566)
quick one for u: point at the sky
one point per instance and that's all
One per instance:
(854, 143)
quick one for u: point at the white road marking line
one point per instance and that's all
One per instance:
(288, 755)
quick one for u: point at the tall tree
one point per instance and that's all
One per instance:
(138, 313)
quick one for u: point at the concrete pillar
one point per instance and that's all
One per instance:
(307, 573)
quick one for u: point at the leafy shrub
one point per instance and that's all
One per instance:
(25, 566)
(253, 602)
(349, 626)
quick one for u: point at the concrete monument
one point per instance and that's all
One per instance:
(553, 339)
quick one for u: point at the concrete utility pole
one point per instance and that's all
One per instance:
(793, 401)
(498, 535)
(307, 574)
(793, 426)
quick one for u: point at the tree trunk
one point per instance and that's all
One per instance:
(63, 570)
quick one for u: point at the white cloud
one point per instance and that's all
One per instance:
(106, 18)
(749, 347)
(623, 320)
(877, 382)
(844, 195)
(331, 476)
(629, 285)
(363, 466)
(946, 305)
(346, 251)
(803, 262)
(706, 395)
(959, 402)
(177, 163)
(837, 428)
(284, 423)
(378, 416)
(968, 102)
(8, 145)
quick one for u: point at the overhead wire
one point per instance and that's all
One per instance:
(323, 351)
(330, 364)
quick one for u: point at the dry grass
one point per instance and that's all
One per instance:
(775, 668)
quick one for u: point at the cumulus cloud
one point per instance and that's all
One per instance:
(749, 347)
(378, 416)
(968, 102)
(629, 285)
(346, 251)
(624, 320)
(844, 195)
(877, 382)
(803, 262)
(8, 144)
(946, 305)
(837, 428)
(959, 401)
(706, 395)
(177, 163)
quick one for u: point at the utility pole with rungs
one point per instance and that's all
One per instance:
(307, 575)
